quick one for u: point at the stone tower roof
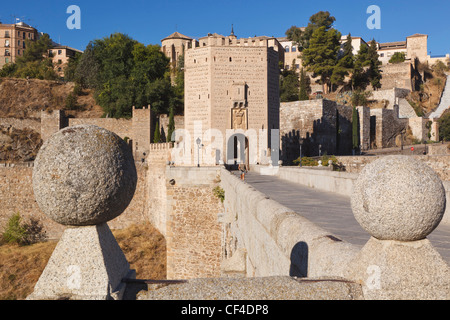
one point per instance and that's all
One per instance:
(417, 35)
(177, 35)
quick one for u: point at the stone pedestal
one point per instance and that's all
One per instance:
(399, 270)
(400, 201)
(83, 177)
(87, 264)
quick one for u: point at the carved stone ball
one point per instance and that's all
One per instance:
(84, 175)
(398, 198)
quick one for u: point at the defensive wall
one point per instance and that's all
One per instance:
(17, 196)
(325, 126)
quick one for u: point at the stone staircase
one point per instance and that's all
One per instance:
(445, 102)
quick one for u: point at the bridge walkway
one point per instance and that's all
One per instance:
(331, 212)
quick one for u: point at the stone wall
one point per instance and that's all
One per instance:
(439, 163)
(21, 124)
(269, 239)
(386, 127)
(164, 125)
(17, 196)
(193, 234)
(121, 127)
(397, 75)
(320, 123)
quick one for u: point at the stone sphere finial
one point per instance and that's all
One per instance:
(398, 198)
(84, 175)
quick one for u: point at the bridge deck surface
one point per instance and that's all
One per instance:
(330, 211)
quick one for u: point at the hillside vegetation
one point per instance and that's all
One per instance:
(21, 266)
(22, 98)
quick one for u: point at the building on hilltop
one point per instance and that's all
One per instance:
(174, 45)
(13, 39)
(61, 56)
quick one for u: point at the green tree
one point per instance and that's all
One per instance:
(345, 63)
(171, 126)
(305, 88)
(444, 127)
(360, 78)
(14, 232)
(126, 73)
(177, 101)
(35, 62)
(71, 68)
(360, 98)
(157, 135)
(289, 85)
(71, 101)
(398, 57)
(374, 72)
(321, 55)
(302, 37)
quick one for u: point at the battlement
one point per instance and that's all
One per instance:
(216, 40)
(161, 146)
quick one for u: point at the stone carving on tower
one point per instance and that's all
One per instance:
(239, 109)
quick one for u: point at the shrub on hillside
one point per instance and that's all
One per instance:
(23, 233)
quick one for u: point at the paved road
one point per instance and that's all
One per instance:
(330, 211)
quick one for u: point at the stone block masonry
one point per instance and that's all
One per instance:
(17, 196)
(193, 234)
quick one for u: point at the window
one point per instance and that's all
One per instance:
(7, 34)
(297, 66)
(6, 43)
(286, 49)
(294, 49)
(59, 52)
(7, 53)
(6, 60)
(231, 59)
(18, 52)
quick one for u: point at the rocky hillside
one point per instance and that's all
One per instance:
(18, 145)
(21, 98)
(25, 99)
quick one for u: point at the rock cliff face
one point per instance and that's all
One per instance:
(22, 98)
(21, 103)
(18, 145)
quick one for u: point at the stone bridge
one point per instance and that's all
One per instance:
(233, 239)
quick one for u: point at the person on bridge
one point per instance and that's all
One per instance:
(243, 170)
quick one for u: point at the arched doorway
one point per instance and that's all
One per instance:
(238, 149)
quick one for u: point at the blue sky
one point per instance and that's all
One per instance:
(151, 21)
